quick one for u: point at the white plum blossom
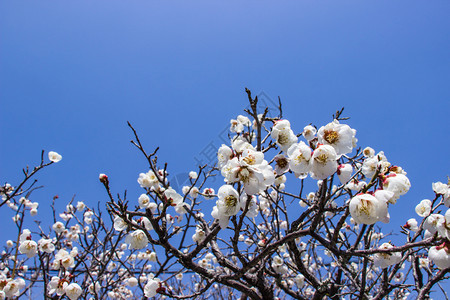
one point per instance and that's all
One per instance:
(73, 291)
(224, 154)
(397, 183)
(368, 152)
(339, 136)
(12, 288)
(344, 173)
(423, 209)
(144, 201)
(299, 159)
(57, 285)
(251, 169)
(323, 162)
(443, 225)
(440, 255)
(372, 163)
(281, 164)
(432, 221)
(148, 180)
(120, 224)
(28, 247)
(367, 209)
(46, 245)
(239, 124)
(386, 259)
(309, 132)
(58, 227)
(283, 134)
(54, 157)
(136, 240)
(150, 289)
(227, 205)
(442, 189)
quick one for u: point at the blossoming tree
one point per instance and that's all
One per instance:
(267, 237)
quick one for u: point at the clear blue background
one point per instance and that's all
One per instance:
(73, 72)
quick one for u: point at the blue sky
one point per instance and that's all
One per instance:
(73, 72)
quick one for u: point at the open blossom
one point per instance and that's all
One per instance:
(323, 162)
(423, 209)
(372, 163)
(120, 224)
(239, 124)
(367, 209)
(440, 255)
(442, 189)
(148, 180)
(12, 288)
(58, 227)
(28, 247)
(299, 159)
(227, 205)
(136, 240)
(432, 221)
(251, 169)
(397, 183)
(54, 157)
(283, 134)
(57, 285)
(46, 245)
(144, 201)
(339, 136)
(224, 154)
(386, 259)
(443, 225)
(281, 164)
(73, 291)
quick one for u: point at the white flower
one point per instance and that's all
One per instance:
(199, 235)
(440, 255)
(368, 152)
(208, 193)
(224, 154)
(439, 188)
(423, 209)
(299, 159)
(11, 289)
(144, 201)
(344, 173)
(323, 162)
(28, 247)
(367, 209)
(386, 259)
(56, 285)
(150, 289)
(397, 183)
(251, 169)
(309, 132)
(148, 180)
(136, 240)
(120, 224)
(54, 157)
(339, 136)
(281, 164)
(73, 291)
(372, 163)
(193, 175)
(80, 206)
(227, 205)
(432, 221)
(172, 197)
(283, 134)
(253, 208)
(46, 245)
(443, 225)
